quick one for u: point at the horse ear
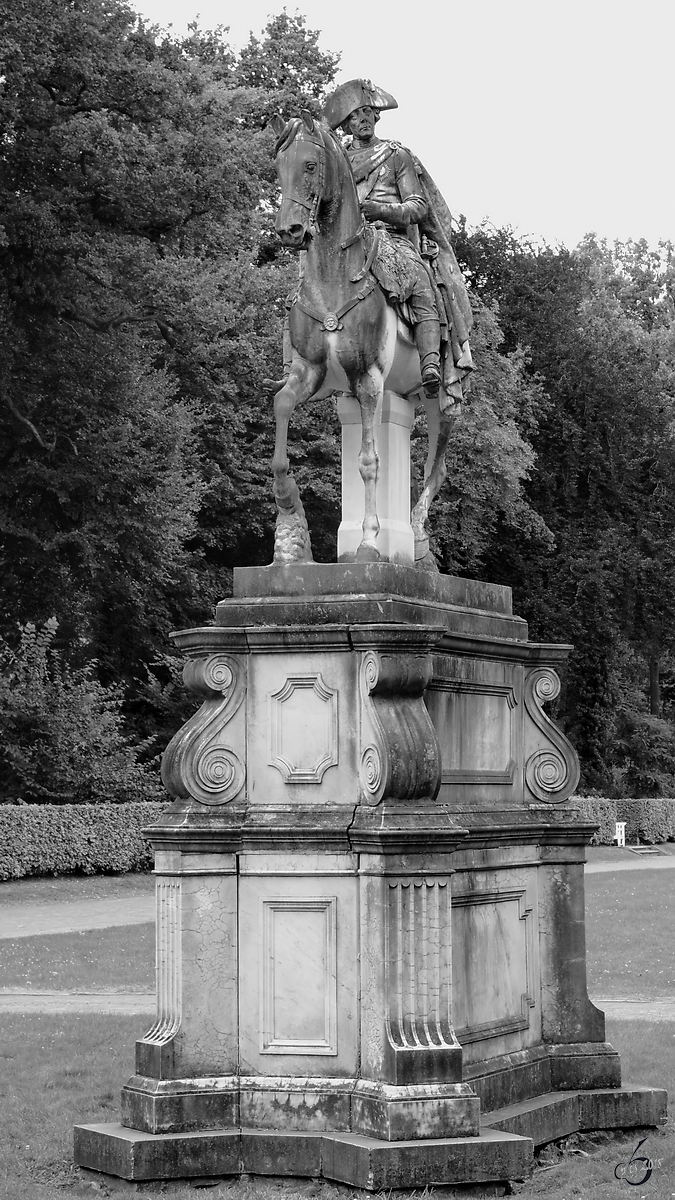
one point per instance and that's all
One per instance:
(308, 119)
(277, 124)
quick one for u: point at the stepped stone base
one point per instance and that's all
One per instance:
(363, 1162)
(559, 1114)
(503, 1150)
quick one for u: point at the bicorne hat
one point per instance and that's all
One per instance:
(356, 93)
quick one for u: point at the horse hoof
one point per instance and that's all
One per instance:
(291, 539)
(427, 562)
(367, 553)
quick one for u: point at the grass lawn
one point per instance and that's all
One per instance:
(114, 960)
(630, 934)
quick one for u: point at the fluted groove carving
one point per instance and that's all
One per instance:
(551, 772)
(199, 762)
(401, 756)
(419, 964)
(168, 952)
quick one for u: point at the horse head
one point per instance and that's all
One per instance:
(312, 168)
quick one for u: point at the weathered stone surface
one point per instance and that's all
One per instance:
(342, 1157)
(131, 1154)
(507, 1079)
(377, 578)
(397, 1114)
(308, 1105)
(372, 1165)
(567, 1013)
(180, 1105)
(265, 1152)
(622, 1108)
(584, 1065)
(502, 1081)
(542, 1118)
(557, 1114)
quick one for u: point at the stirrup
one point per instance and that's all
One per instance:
(431, 381)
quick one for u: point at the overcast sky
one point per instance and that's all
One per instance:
(553, 117)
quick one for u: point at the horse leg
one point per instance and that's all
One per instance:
(435, 471)
(368, 390)
(291, 535)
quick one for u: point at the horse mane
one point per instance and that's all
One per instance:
(292, 128)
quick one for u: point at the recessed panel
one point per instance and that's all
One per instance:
(473, 722)
(298, 993)
(492, 988)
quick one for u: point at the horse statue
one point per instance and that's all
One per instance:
(345, 336)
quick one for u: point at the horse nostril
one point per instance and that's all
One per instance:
(295, 231)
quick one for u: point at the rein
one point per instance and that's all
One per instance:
(332, 321)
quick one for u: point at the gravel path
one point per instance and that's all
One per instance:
(652, 862)
(114, 1003)
(638, 1010)
(139, 1003)
(19, 921)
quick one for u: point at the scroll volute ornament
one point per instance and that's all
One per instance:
(204, 761)
(400, 754)
(552, 770)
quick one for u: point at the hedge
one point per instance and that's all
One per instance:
(55, 839)
(647, 821)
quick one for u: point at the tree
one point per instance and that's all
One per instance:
(597, 324)
(139, 320)
(62, 737)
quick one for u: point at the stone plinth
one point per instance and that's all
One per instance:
(393, 422)
(370, 897)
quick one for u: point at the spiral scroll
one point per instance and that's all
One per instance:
(371, 770)
(209, 676)
(552, 772)
(401, 757)
(197, 763)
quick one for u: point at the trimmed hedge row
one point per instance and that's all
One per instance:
(648, 821)
(55, 839)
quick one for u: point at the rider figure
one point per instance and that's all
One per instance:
(391, 198)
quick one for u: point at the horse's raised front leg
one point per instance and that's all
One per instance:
(438, 432)
(291, 535)
(368, 390)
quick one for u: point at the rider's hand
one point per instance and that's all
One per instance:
(370, 209)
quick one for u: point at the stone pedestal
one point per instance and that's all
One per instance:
(371, 960)
(393, 422)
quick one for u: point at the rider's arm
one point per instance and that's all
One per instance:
(413, 207)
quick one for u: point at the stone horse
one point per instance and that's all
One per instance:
(345, 336)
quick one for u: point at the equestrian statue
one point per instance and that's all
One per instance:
(380, 301)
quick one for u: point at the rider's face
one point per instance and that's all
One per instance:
(362, 123)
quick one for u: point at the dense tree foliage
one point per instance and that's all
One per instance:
(141, 308)
(598, 324)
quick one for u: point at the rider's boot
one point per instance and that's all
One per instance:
(428, 342)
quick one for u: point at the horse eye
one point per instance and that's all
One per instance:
(310, 166)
